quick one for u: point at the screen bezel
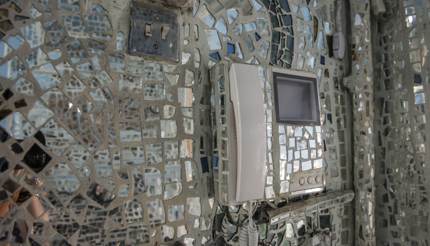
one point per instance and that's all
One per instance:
(309, 79)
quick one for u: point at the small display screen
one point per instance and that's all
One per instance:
(296, 99)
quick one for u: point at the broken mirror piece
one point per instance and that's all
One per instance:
(189, 171)
(36, 58)
(175, 212)
(205, 16)
(34, 34)
(186, 148)
(168, 111)
(12, 69)
(153, 91)
(39, 114)
(4, 49)
(172, 190)
(167, 233)
(46, 76)
(15, 41)
(185, 97)
(133, 155)
(156, 212)
(171, 150)
(214, 42)
(36, 158)
(168, 128)
(193, 205)
(232, 15)
(153, 183)
(172, 172)
(220, 26)
(61, 177)
(154, 153)
(100, 194)
(16, 126)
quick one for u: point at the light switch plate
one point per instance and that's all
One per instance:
(153, 32)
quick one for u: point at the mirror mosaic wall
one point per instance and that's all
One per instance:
(108, 138)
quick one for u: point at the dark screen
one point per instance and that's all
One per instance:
(296, 99)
